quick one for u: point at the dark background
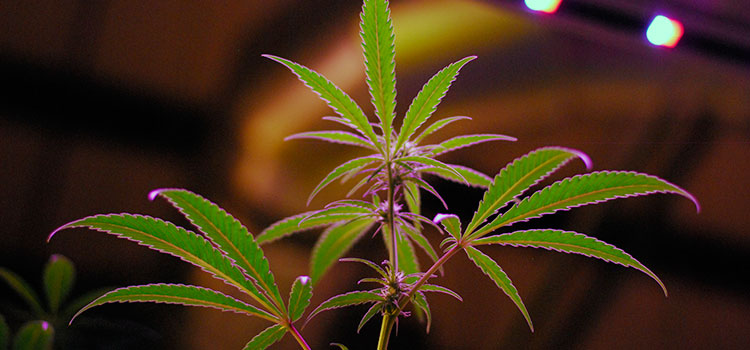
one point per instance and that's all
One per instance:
(103, 101)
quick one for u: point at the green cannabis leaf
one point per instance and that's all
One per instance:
(178, 294)
(224, 248)
(493, 270)
(569, 242)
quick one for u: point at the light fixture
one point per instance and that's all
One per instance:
(664, 31)
(546, 6)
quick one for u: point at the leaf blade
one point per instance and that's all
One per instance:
(165, 237)
(519, 175)
(341, 137)
(334, 243)
(426, 101)
(440, 289)
(34, 335)
(420, 301)
(178, 294)
(376, 32)
(346, 299)
(437, 125)
(268, 337)
(407, 256)
(58, 276)
(497, 275)
(582, 190)
(468, 176)
(338, 100)
(4, 334)
(341, 170)
(296, 223)
(23, 289)
(416, 236)
(459, 142)
(570, 242)
(451, 223)
(227, 233)
(429, 162)
(371, 312)
(299, 297)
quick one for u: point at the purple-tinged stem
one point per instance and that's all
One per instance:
(298, 337)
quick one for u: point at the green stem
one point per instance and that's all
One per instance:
(298, 337)
(385, 330)
(390, 318)
(440, 262)
(391, 222)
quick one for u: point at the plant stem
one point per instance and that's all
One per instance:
(385, 330)
(298, 337)
(422, 280)
(391, 222)
(390, 318)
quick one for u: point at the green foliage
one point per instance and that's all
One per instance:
(228, 234)
(466, 141)
(347, 299)
(493, 270)
(569, 242)
(371, 312)
(439, 289)
(266, 338)
(303, 222)
(341, 137)
(425, 104)
(389, 179)
(420, 301)
(177, 294)
(4, 333)
(236, 259)
(353, 165)
(333, 244)
(23, 289)
(519, 175)
(167, 238)
(467, 176)
(380, 60)
(44, 316)
(36, 335)
(339, 101)
(299, 297)
(582, 190)
(59, 275)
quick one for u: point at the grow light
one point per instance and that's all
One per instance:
(546, 6)
(664, 31)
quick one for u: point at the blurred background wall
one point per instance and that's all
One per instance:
(103, 101)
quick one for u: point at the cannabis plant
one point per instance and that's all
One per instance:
(384, 200)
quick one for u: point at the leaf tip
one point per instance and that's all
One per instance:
(694, 200)
(49, 238)
(585, 158)
(304, 279)
(440, 217)
(152, 195)
(681, 191)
